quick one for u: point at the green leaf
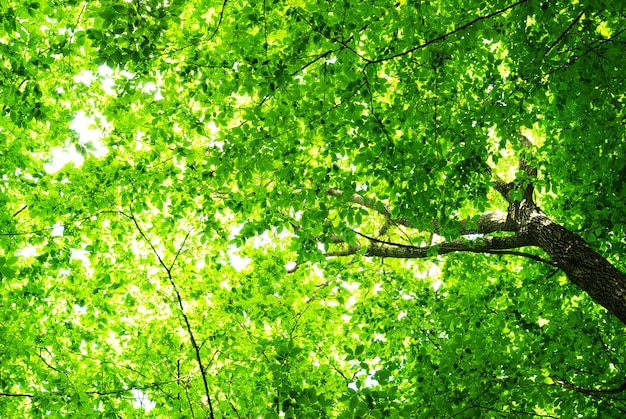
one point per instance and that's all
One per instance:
(163, 164)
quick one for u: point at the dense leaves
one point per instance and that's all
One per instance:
(195, 195)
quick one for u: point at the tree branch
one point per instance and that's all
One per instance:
(591, 392)
(126, 390)
(488, 223)
(359, 199)
(194, 344)
(16, 395)
(20, 210)
(488, 245)
(501, 186)
(446, 35)
(526, 167)
(485, 224)
(574, 22)
(350, 251)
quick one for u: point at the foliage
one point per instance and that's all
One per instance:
(180, 264)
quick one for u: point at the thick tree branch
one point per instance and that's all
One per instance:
(583, 266)
(483, 245)
(350, 251)
(488, 245)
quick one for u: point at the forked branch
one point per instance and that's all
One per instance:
(485, 224)
(377, 206)
(190, 333)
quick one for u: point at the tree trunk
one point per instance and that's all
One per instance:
(583, 266)
(531, 227)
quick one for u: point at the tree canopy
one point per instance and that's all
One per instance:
(312, 209)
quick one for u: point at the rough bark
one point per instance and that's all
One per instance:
(583, 266)
(530, 227)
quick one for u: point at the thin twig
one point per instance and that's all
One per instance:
(126, 390)
(219, 22)
(17, 395)
(200, 40)
(265, 28)
(564, 33)
(180, 249)
(20, 210)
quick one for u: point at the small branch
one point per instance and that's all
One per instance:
(48, 364)
(298, 316)
(179, 250)
(343, 43)
(234, 409)
(314, 60)
(20, 210)
(194, 344)
(342, 374)
(564, 33)
(446, 35)
(16, 395)
(265, 28)
(200, 40)
(525, 255)
(295, 268)
(515, 412)
(219, 22)
(372, 239)
(140, 230)
(373, 110)
(501, 186)
(485, 224)
(102, 393)
(551, 274)
(591, 392)
(342, 100)
(126, 390)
